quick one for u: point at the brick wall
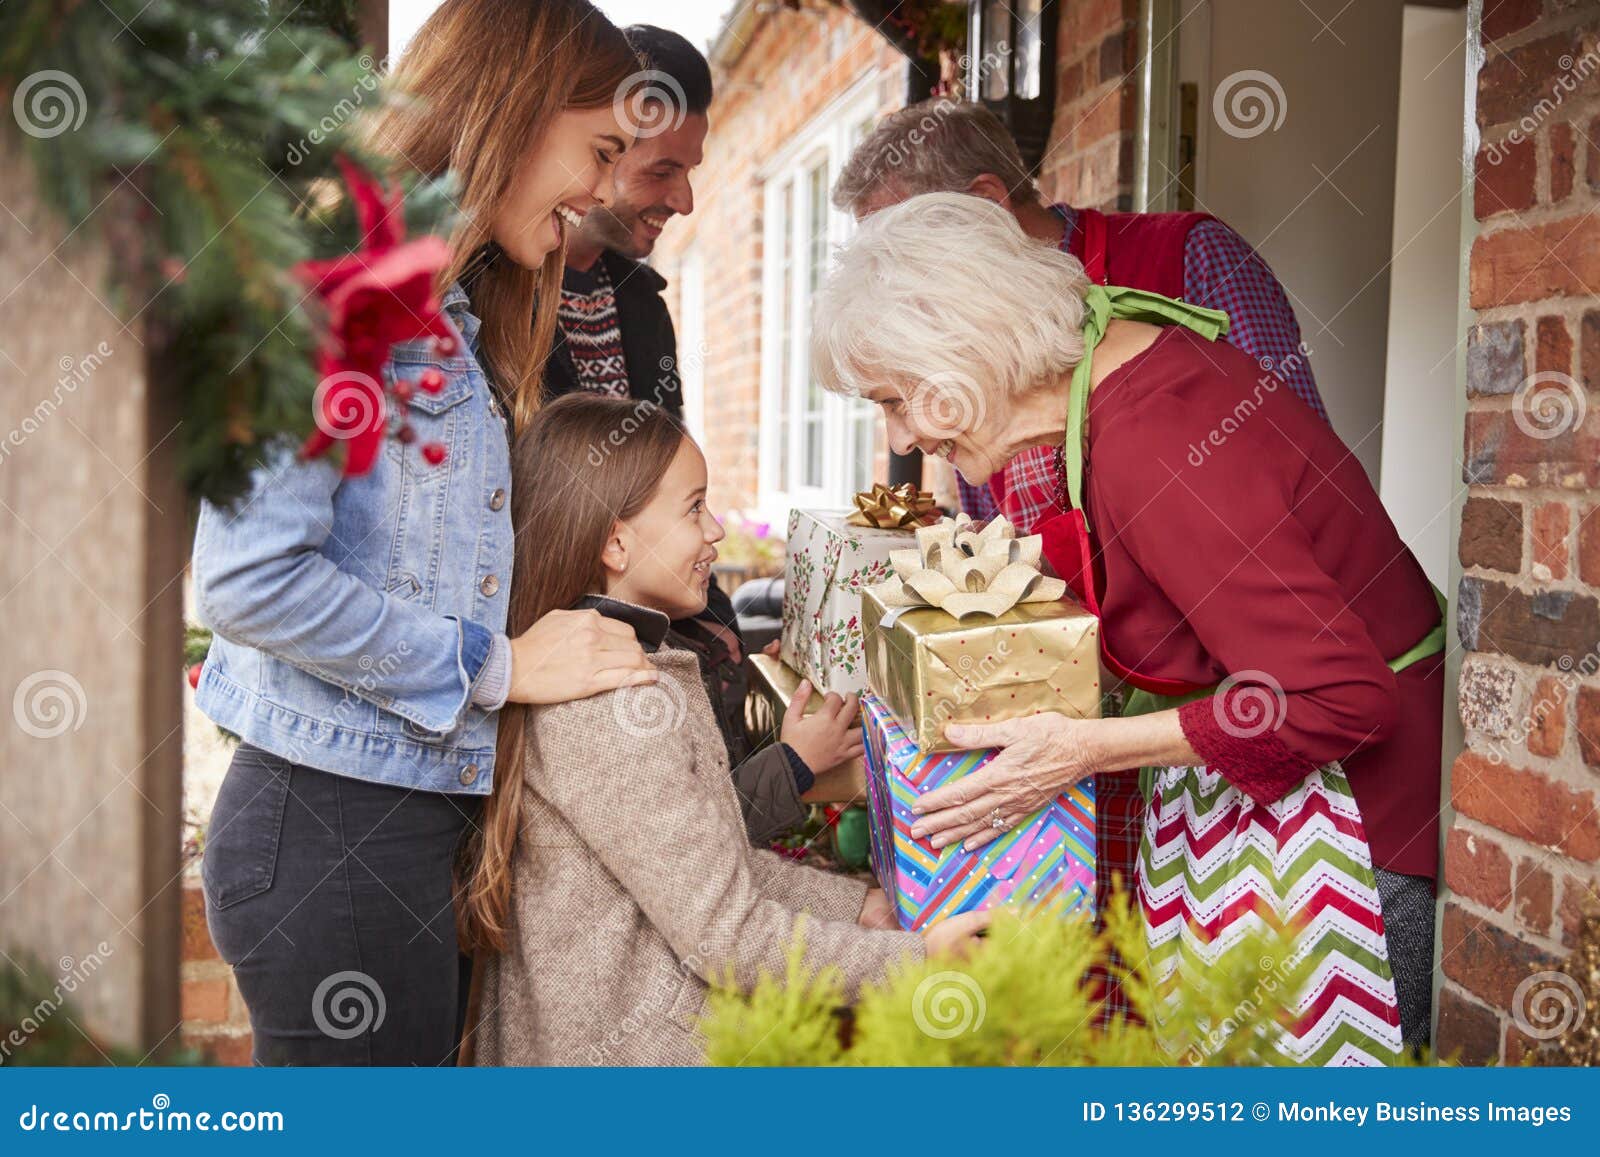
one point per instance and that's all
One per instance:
(214, 1017)
(1522, 855)
(790, 66)
(1089, 160)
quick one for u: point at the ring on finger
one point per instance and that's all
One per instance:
(999, 823)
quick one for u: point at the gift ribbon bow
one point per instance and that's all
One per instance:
(964, 571)
(892, 508)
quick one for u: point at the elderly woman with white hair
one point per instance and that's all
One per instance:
(1279, 646)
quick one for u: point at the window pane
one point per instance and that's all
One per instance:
(816, 267)
(786, 339)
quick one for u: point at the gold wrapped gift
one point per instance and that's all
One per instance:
(772, 686)
(1017, 648)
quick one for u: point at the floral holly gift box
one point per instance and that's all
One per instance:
(1045, 859)
(829, 563)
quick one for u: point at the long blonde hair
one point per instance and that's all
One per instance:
(481, 83)
(585, 463)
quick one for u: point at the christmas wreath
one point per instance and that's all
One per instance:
(212, 146)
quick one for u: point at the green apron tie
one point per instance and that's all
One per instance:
(1103, 304)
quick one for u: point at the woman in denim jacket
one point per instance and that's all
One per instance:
(360, 652)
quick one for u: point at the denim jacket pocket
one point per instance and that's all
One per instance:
(241, 848)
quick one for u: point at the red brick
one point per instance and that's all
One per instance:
(226, 1048)
(1580, 901)
(1589, 546)
(1547, 628)
(1511, 84)
(1553, 259)
(1534, 897)
(1519, 1049)
(196, 936)
(1487, 961)
(1589, 725)
(1562, 161)
(1503, 449)
(1503, 17)
(1468, 1034)
(1478, 868)
(1552, 353)
(1548, 715)
(1589, 346)
(1527, 804)
(1550, 525)
(1506, 176)
(1593, 136)
(205, 1001)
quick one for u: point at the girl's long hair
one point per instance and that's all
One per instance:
(585, 463)
(479, 85)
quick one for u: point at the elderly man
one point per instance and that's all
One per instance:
(943, 146)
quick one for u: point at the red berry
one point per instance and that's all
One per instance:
(406, 434)
(404, 390)
(194, 675)
(434, 452)
(446, 345)
(431, 380)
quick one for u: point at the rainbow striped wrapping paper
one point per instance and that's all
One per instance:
(1047, 858)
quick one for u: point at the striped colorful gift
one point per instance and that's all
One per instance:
(1047, 858)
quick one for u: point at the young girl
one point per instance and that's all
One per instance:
(614, 879)
(360, 647)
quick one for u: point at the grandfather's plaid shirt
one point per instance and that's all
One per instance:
(1220, 271)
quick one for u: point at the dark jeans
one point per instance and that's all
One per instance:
(331, 899)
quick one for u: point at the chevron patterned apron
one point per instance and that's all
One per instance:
(1214, 865)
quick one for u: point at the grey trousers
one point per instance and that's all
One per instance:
(1408, 907)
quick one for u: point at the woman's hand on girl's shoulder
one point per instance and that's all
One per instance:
(570, 655)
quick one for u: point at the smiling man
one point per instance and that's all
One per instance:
(615, 335)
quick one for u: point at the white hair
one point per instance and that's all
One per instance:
(946, 290)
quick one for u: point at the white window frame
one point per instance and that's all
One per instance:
(827, 138)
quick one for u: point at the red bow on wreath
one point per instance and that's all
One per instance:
(375, 297)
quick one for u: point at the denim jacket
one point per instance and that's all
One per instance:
(352, 615)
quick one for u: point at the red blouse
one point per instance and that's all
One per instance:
(1238, 535)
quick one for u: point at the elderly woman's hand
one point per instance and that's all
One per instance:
(1042, 756)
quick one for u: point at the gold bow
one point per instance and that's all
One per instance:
(892, 508)
(966, 571)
